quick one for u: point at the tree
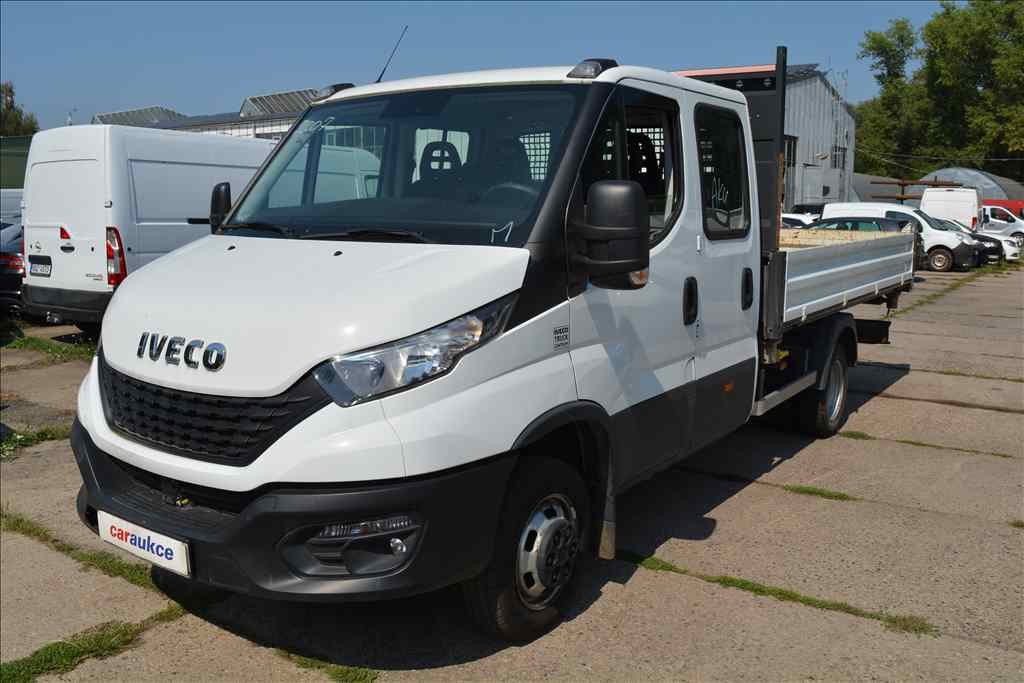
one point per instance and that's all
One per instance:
(13, 119)
(964, 104)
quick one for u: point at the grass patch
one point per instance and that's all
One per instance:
(1016, 523)
(860, 436)
(920, 444)
(896, 622)
(102, 561)
(336, 672)
(58, 352)
(817, 491)
(15, 440)
(104, 640)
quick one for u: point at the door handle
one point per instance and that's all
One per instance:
(747, 289)
(691, 303)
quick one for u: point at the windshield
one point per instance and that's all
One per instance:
(454, 166)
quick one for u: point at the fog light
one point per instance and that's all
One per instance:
(397, 546)
(367, 528)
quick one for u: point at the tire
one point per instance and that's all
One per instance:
(940, 260)
(823, 413)
(510, 599)
(90, 331)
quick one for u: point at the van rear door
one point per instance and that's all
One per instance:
(65, 226)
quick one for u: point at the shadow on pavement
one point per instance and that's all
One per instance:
(434, 630)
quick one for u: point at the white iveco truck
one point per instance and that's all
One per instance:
(555, 283)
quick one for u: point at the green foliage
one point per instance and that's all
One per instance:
(15, 440)
(963, 105)
(13, 119)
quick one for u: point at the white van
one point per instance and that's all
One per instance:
(103, 201)
(945, 249)
(1000, 221)
(960, 204)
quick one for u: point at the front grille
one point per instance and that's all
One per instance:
(229, 430)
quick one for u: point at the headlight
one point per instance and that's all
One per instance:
(401, 364)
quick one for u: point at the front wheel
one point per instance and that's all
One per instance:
(544, 527)
(940, 260)
(823, 412)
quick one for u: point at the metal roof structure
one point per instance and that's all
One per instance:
(990, 186)
(146, 116)
(277, 103)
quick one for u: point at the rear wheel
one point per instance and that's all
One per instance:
(543, 531)
(823, 412)
(940, 259)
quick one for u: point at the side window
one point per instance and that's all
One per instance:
(724, 186)
(652, 155)
(999, 215)
(638, 139)
(905, 221)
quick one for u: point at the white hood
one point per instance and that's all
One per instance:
(281, 306)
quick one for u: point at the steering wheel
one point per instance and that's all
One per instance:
(532, 192)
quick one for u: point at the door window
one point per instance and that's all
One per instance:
(638, 139)
(999, 215)
(724, 185)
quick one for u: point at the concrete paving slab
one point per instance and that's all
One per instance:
(47, 596)
(626, 623)
(42, 484)
(658, 626)
(51, 331)
(193, 650)
(17, 358)
(896, 381)
(24, 416)
(54, 386)
(964, 575)
(963, 362)
(977, 337)
(980, 486)
(971, 428)
(904, 337)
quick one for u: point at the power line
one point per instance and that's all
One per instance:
(886, 160)
(960, 158)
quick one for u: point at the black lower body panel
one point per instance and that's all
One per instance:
(965, 256)
(256, 542)
(73, 305)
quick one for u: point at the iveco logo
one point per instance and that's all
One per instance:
(176, 349)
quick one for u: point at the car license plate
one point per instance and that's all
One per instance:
(163, 551)
(40, 269)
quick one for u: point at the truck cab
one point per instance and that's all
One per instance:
(551, 289)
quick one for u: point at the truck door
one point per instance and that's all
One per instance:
(728, 266)
(631, 352)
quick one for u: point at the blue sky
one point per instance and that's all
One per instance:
(203, 58)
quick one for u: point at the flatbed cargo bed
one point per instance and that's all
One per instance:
(828, 272)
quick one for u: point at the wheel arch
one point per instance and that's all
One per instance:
(827, 334)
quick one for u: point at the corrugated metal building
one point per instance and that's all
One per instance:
(820, 139)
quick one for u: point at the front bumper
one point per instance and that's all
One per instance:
(965, 256)
(70, 304)
(247, 542)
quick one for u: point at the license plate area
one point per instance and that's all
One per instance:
(40, 266)
(156, 548)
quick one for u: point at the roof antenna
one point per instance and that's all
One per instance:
(393, 51)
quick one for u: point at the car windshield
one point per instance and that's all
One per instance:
(453, 166)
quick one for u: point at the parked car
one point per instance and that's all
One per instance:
(797, 220)
(451, 380)
(103, 201)
(962, 204)
(857, 224)
(944, 249)
(809, 209)
(997, 247)
(999, 221)
(12, 270)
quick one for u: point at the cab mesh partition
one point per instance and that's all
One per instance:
(230, 430)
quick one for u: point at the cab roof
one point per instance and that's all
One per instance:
(548, 74)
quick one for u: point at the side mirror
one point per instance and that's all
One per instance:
(220, 204)
(615, 235)
(984, 218)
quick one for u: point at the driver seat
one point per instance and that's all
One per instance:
(440, 166)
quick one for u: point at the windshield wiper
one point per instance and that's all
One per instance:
(368, 234)
(260, 225)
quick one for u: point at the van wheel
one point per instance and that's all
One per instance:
(90, 331)
(823, 413)
(543, 531)
(1019, 236)
(940, 259)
